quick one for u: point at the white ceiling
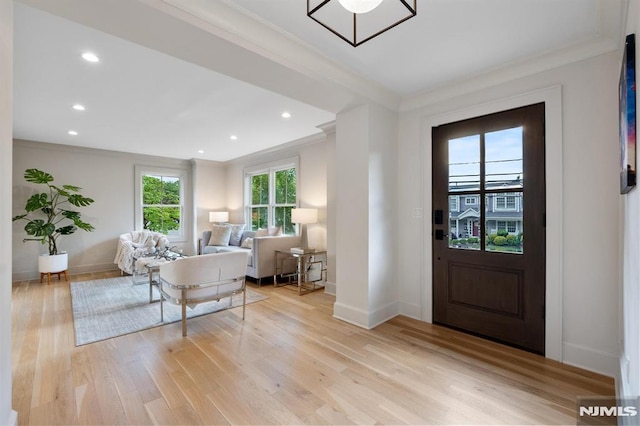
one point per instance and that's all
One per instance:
(176, 95)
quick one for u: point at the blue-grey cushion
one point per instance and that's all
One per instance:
(236, 234)
(209, 249)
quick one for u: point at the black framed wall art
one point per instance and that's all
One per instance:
(627, 101)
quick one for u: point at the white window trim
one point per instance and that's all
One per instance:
(270, 169)
(457, 200)
(185, 183)
(505, 208)
(474, 200)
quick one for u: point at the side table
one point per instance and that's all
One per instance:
(310, 274)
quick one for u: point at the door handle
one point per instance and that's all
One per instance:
(439, 234)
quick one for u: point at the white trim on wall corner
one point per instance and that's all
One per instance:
(362, 318)
(12, 420)
(552, 97)
(590, 359)
(330, 288)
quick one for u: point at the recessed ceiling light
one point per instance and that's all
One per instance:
(233, 137)
(79, 107)
(286, 115)
(90, 57)
(200, 151)
(73, 133)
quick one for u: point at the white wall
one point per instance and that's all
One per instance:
(312, 181)
(332, 190)
(352, 216)
(590, 252)
(7, 416)
(383, 207)
(210, 188)
(105, 176)
(629, 375)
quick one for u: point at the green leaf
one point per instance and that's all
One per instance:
(70, 214)
(22, 216)
(39, 228)
(60, 190)
(66, 230)
(36, 202)
(84, 225)
(80, 201)
(37, 176)
(71, 188)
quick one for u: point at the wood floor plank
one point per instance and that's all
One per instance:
(288, 362)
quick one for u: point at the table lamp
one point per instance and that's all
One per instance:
(219, 217)
(303, 217)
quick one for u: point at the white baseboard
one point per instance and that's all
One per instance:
(590, 359)
(351, 315)
(330, 288)
(12, 420)
(83, 269)
(362, 318)
(411, 310)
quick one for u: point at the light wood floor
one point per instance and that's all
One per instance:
(289, 362)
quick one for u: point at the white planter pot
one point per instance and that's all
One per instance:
(55, 263)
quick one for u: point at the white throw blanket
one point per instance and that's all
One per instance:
(135, 244)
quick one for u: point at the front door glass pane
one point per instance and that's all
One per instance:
(504, 222)
(503, 159)
(464, 164)
(464, 222)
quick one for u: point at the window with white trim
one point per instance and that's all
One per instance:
(507, 225)
(160, 201)
(471, 201)
(271, 194)
(505, 202)
(454, 203)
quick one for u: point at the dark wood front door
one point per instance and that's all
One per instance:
(488, 221)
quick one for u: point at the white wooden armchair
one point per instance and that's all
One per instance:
(192, 280)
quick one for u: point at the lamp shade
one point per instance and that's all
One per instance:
(358, 21)
(218, 216)
(360, 6)
(304, 216)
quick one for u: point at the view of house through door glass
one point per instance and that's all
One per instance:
(489, 278)
(502, 172)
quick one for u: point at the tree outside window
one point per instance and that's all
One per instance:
(273, 194)
(259, 201)
(285, 199)
(161, 204)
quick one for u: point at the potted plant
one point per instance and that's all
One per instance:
(48, 217)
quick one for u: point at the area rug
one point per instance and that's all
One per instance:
(111, 307)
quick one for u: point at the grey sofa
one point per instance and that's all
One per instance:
(261, 262)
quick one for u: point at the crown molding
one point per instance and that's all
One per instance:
(516, 70)
(249, 31)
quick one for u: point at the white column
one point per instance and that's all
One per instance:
(330, 130)
(7, 415)
(366, 209)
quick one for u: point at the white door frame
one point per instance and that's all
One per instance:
(552, 97)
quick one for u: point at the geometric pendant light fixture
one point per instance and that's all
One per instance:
(358, 21)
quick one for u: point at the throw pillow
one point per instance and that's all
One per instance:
(236, 234)
(247, 243)
(220, 235)
(275, 231)
(262, 233)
